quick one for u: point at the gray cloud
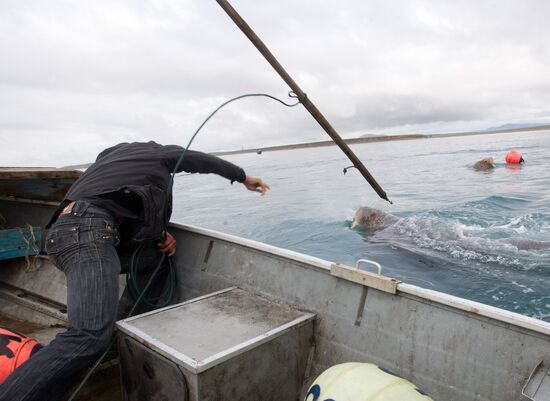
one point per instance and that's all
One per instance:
(76, 77)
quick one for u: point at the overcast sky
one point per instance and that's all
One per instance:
(77, 76)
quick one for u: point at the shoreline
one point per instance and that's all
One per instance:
(381, 138)
(353, 141)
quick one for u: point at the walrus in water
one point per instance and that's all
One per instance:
(487, 163)
(371, 219)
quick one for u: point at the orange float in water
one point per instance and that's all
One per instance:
(513, 157)
(15, 348)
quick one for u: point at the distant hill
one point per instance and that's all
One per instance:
(515, 126)
(383, 138)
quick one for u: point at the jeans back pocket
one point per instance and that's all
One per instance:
(61, 239)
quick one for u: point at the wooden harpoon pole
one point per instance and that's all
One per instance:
(307, 103)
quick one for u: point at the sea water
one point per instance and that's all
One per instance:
(484, 236)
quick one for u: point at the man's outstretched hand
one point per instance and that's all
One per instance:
(255, 184)
(168, 246)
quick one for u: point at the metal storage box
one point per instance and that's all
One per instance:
(229, 345)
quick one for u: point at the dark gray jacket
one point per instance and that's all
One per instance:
(142, 171)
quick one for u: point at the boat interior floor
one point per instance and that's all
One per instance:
(41, 333)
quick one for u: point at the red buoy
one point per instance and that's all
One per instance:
(15, 348)
(513, 157)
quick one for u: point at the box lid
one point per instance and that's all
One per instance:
(208, 330)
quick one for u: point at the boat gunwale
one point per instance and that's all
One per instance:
(38, 173)
(435, 297)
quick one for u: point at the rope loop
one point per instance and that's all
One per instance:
(30, 246)
(294, 95)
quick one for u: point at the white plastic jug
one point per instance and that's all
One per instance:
(355, 381)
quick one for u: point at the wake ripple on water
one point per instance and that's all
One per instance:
(463, 242)
(508, 263)
(495, 250)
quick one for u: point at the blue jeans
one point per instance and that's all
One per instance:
(82, 245)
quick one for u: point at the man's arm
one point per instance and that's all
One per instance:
(199, 162)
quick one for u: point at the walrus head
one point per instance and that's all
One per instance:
(486, 163)
(371, 219)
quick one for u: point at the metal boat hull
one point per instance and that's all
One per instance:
(451, 348)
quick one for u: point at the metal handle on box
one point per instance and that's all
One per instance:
(370, 262)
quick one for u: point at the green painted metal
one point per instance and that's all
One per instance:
(20, 242)
(47, 190)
